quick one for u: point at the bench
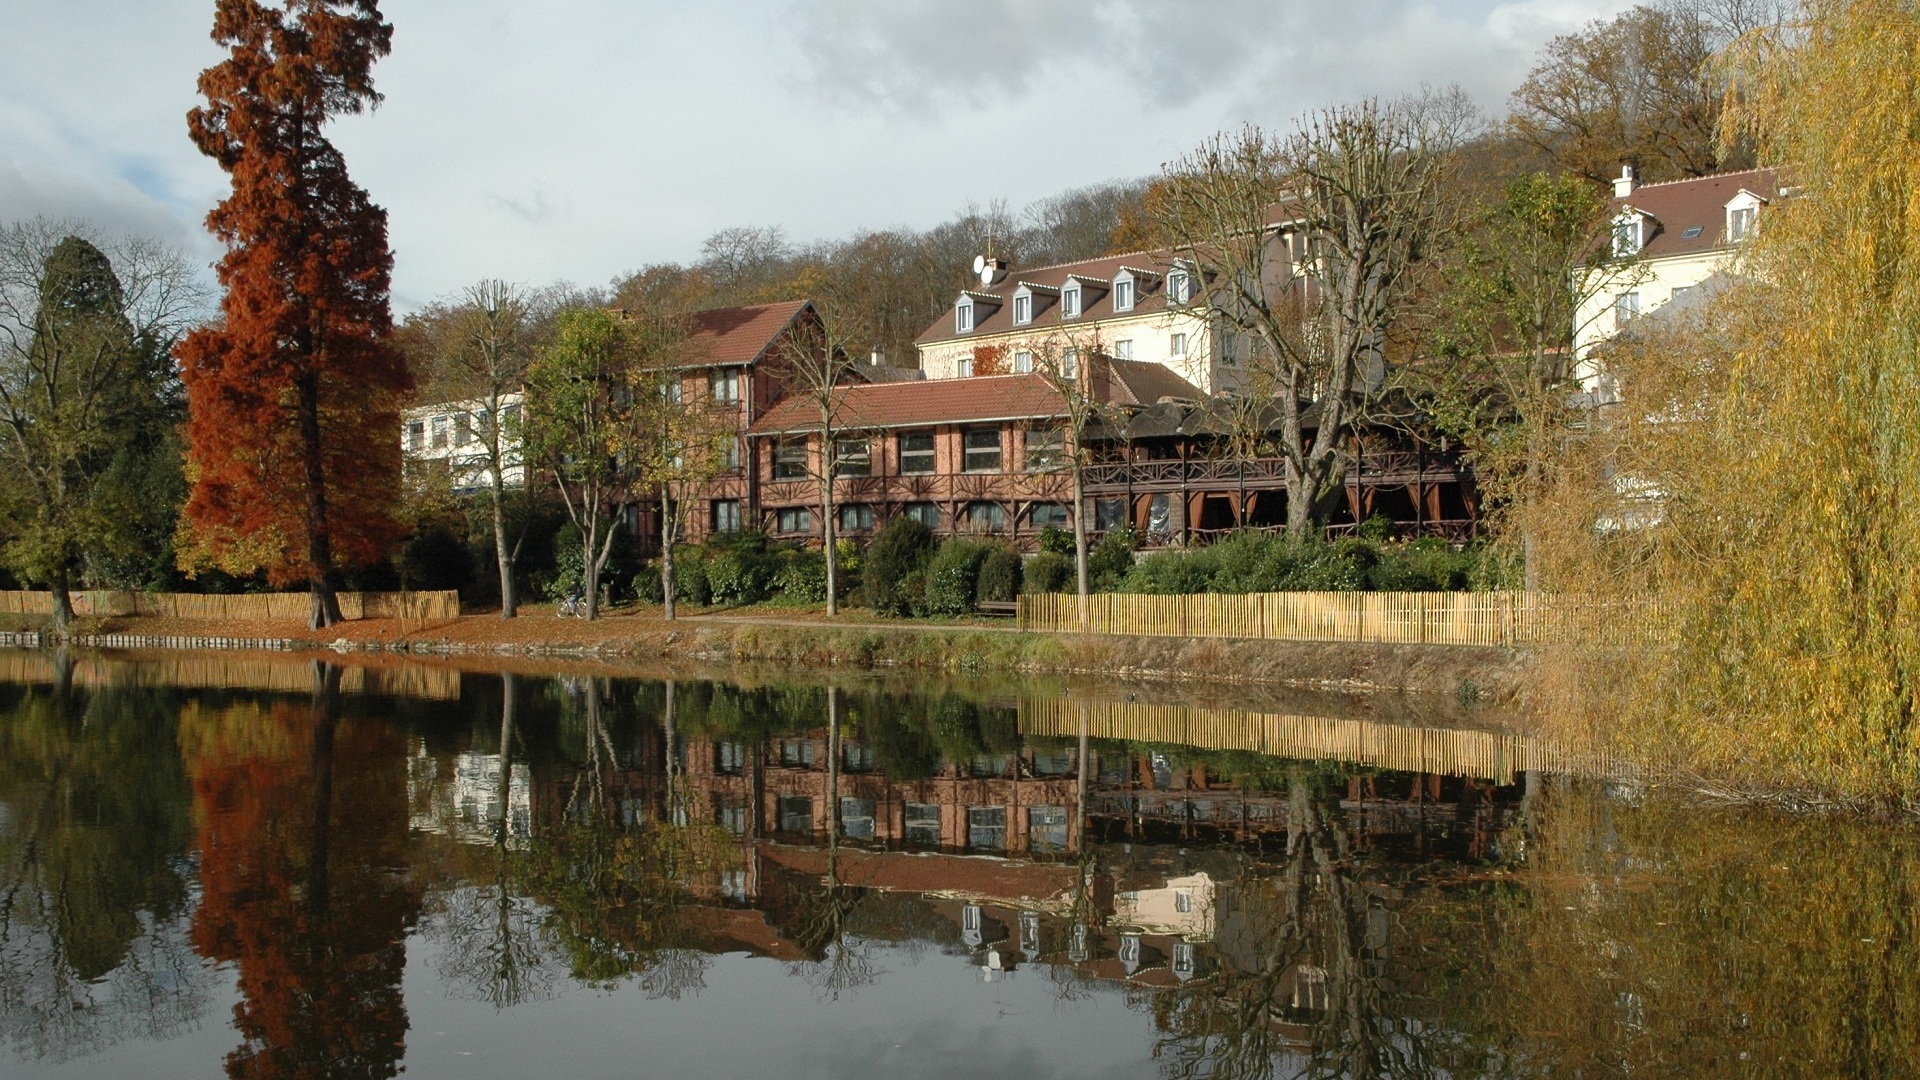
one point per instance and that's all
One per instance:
(1000, 608)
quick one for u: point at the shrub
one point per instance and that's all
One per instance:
(1110, 559)
(801, 577)
(952, 575)
(740, 569)
(1167, 573)
(912, 593)
(902, 548)
(436, 558)
(999, 574)
(1057, 540)
(569, 563)
(1047, 572)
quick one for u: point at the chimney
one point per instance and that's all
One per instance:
(1623, 186)
(878, 358)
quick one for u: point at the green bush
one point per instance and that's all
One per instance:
(740, 569)
(436, 557)
(952, 576)
(1048, 572)
(569, 563)
(1057, 540)
(999, 574)
(912, 594)
(1259, 562)
(903, 548)
(801, 577)
(1111, 559)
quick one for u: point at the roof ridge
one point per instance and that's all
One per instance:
(1711, 176)
(1096, 258)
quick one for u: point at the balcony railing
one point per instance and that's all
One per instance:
(1384, 467)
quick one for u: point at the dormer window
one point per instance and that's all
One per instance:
(1179, 287)
(1070, 300)
(1626, 235)
(1740, 223)
(1123, 292)
(963, 316)
(1022, 308)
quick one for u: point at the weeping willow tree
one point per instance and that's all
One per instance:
(1758, 491)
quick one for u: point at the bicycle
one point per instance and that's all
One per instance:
(572, 607)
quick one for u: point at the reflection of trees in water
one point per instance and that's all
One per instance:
(94, 827)
(305, 890)
(1312, 985)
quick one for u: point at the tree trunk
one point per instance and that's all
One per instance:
(667, 583)
(1081, 588)
(1299, 502)
(326, 606)
(669, 535)
(62, 597)
(509, 601)
(326, 707)
(828, 453)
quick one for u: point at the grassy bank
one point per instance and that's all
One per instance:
(800, 638)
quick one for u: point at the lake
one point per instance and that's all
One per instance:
(265, 867)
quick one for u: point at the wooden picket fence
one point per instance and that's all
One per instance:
(1435, 618)
(199, 671)
(409, 606)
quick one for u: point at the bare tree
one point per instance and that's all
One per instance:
(481, 347)
(1075, 366)
(816, 359)
(678, 439)
(1303, 248)
(87, 328)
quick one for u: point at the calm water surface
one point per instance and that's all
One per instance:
(265, 868)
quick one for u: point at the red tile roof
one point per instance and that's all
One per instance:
(979, 399)
(922, 403)
(740, 335)
(1677, 206)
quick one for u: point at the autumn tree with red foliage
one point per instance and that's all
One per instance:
(293, 397)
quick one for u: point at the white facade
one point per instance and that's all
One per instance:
(1181, 340)
(454, 432)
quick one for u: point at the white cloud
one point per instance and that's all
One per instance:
(580, 139)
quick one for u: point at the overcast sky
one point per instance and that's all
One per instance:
(575, 139)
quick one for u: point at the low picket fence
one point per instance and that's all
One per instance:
(1431, 618)
(409, 606)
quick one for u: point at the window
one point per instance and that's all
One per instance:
(1129, 952)
(983, 450)
(1693, 232)
(922, 822)
(1739, 223)
(729, 758)
(984, 517)
(1022, 308)
(793, 519)
(1680, 291)
(925, 513)
(1183, 901)
(670, 391)
(1022, 362)
(796, 814)
(1626, 236)
(856, 757)
(1123, 350)
(1229, 348)
(1046, 449)
(790, 458)
(1077, 950)
(1123, 293)
(916, 453)
(1049, 516)
(988, 766)
(730, 455)
(966, 367)
(856, 518)
(726, 515)
(986, 828)
(726, 385)
(963, 316)
(731, 817)
(463, 429)
(1109, 513)
(441, 425)
(852, 457)
(1184, 963)
(797, 753)
(1625, 307)
(856, 818)
(1070, 363)
(1179, 287)
(1070, 301)
(1177, 345)
(1046, 829)
(1055, 764)
(417, 435)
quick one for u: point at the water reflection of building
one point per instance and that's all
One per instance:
(464, 797)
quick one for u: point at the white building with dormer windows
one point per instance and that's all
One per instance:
(1666, 241)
